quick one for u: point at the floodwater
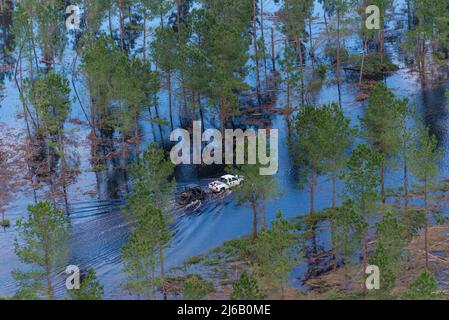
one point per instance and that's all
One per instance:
(99, 230)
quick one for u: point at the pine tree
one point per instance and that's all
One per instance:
(424, 287)
(274, 252)
(425, 167)
(43, 246)
(152, 181)
(195, 288)
(349, 226)
(390, 254)
(362, 180)
(90, 288)
(256, 191)
(246, 288)
(382, 126)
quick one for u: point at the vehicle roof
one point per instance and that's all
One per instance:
(228, 176)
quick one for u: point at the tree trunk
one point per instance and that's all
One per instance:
(47, 264)
(312, 212)
(312, 193)
(137, 136)
(312, 51)
(334, 212)
(63, 171)
(365, 238)
(161, 261)
(405, 185)
(262, 33)
(125, 163)
(273, 51)
(382, 181)
(170, 102)
(256, 53)
(426, 231)
(338, 59)
(201, 114)
(365, 49)
(122, 24)
(110, 23)
(264, 212)
(326, 24)
(301, 68)
(255, 221)
(144, 50)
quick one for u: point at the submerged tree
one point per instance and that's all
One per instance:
(50, 96)
(141, 255)
(382, 126)
(339, 8)
(43, 246)
(256, 191)
(362, 180)
(306, 146)
(338, 137)
(165, 52)
(425, 167)
(152, 181)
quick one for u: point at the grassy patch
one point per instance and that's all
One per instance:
(194, 260)
(5, 223)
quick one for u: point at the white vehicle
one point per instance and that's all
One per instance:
(225, 183)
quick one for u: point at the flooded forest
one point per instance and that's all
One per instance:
(91, 92)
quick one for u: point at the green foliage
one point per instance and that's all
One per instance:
(140, 255)
(51, 98)
(424, 287)
(153, 182)
(118, 84)
(415, 220)
(375, 66)
(361, 177)
(321, 139)
(338, 137)
(195, 288)
(238, 248)
(165, 48)
(381, 122)
(90, 288)
(307, 141)
(389, 255)
(255, 191)
(350, 226)
(194, 260)
(426, 158)
(274, 258)
(43, 246)
(294, 21)
(5, 223)
(246, 288)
